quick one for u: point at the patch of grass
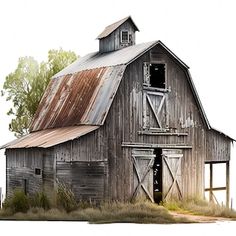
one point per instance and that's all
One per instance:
(66, 198)
(19, 202)
(40, 200)
(200, 207)
(140, 212)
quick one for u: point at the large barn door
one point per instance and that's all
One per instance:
(154, 110)
(171, 174)
(143, 160)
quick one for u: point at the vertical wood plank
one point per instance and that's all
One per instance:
(227, 183)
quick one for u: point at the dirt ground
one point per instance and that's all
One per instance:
(198, 218)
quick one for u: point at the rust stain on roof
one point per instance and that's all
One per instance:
(50, 137)
(70, 99)
(66, 99)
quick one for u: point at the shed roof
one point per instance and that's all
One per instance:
(110, 28)
(50, 137)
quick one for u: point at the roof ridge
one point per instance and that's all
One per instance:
(110, 28)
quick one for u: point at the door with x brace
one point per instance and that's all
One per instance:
(171, 174)
(143, 160)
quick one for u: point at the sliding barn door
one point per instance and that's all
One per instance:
(154, 110)
(143, 160)
(171, 174)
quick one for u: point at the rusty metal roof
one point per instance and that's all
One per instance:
(50, 137)
(110, 28)
(80, 98)
(82, 93)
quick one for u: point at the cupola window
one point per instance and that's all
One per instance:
(124, 36)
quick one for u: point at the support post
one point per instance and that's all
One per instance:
(211, 183)
(227, 184)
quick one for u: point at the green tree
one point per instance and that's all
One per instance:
(26, 85)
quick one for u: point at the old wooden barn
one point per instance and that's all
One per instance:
(122, 123)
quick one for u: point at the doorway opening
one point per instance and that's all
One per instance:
(157, 176)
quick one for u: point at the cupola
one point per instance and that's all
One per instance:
(117, 35)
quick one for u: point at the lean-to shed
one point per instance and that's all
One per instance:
(122, 123)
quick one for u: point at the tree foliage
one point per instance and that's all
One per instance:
(26, 85)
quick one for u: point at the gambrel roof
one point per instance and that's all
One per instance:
(81, 95)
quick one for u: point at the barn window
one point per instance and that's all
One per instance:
(37, 171)
(155, 75)
(124, 36)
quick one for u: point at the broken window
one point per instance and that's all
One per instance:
(124, 36)
(154, 75)
(157, 75)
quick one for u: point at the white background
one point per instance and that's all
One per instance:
(201, 33)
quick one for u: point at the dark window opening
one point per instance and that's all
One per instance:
(37, 171)
(124, 36)
(157, 176)
(157, 75)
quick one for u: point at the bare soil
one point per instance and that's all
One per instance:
(198, 218)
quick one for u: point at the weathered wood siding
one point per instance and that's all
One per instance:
(21, 164)
(112, 42)
(49, 171)
(125, 121)
(87, 179)
(218, 147)
(82, 165)
(183, 117)
(98, 167)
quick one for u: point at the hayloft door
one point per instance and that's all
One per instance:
(143, 160)
(154, 110)
(171, 174)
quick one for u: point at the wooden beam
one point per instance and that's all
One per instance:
(211, 183)
(151, 145)
(215, 189)
(147, 87)
(153, 110)
(215, 162)
(161, 133)
(161, 105)
(227, 183)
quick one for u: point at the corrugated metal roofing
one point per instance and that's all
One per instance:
(97, 60)
(80, 98)
(110, 28)
(120, 57)
(83, 92)
(50, 137)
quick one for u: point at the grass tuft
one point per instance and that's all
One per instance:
(66, 198)
(200, 207)
(19, 202)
